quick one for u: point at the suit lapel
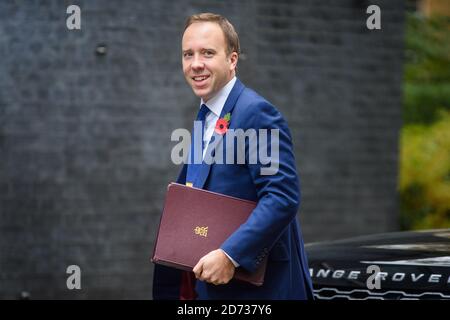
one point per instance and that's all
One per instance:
(228, 107)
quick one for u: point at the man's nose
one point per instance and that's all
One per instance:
(197, 63)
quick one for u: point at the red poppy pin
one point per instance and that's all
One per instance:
(222, 124)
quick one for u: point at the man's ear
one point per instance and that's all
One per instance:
(234, 57)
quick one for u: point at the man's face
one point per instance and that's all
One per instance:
(206, 65)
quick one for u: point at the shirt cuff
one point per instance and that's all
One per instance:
(231, 259)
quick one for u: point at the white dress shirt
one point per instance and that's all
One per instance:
(215, 105)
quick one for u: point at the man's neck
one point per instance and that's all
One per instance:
(217, 102)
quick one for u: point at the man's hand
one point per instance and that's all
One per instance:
(215, 268)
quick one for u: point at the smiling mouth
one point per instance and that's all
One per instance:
(200, 78)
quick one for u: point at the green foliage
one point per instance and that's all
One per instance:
(427, 68)
(422, 101)
(425, 138)
(425, 175)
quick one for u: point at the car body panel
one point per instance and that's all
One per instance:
(398, 265)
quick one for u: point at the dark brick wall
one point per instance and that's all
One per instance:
(85, 139)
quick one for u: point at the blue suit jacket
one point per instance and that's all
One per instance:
(272, 229)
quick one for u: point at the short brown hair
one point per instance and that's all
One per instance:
(231, 37)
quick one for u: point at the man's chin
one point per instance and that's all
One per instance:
(204, 94)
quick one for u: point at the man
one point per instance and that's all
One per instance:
(210, 52)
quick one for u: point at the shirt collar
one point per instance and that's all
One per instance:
(216, 103)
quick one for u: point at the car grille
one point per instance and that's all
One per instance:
(364, 294)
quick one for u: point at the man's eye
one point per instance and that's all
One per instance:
(209, 53)
(187, 54)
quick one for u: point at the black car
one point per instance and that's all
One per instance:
(398, 265)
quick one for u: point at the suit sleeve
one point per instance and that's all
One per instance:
(278, 193)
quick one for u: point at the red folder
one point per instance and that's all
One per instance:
(195, 222)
